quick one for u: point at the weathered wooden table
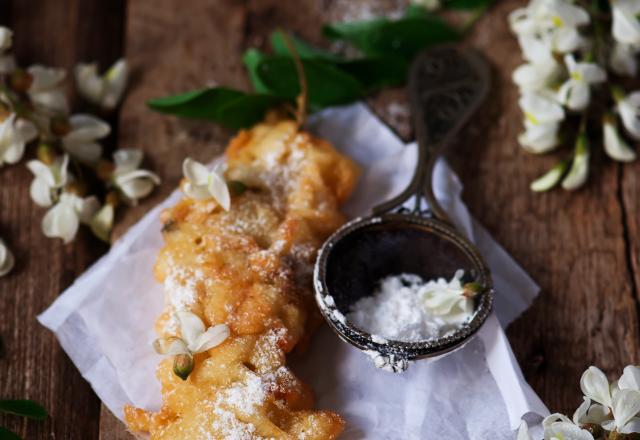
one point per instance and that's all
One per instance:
(582, 248)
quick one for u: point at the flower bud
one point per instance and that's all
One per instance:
(105, 170)
(20, 80)
(60, 126)
(183, 365)
(46, 153)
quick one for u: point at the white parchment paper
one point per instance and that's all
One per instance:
(105, 320)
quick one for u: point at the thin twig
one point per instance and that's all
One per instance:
(302, 99)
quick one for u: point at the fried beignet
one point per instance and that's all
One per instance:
(250, 267)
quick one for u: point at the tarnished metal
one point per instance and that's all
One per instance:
(446, 86)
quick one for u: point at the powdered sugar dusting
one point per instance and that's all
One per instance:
(398, 310)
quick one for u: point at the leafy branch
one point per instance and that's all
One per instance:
(296, 68)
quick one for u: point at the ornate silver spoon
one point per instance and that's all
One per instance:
(446, 86)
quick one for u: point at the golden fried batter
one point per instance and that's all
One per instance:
(250, 268)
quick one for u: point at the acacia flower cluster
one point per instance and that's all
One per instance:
(609, 410)
(68, 159)
(575, 57)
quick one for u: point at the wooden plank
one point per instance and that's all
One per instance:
(572, 244)
(34, 366)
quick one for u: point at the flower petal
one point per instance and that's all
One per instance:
(594, 385)
(40, 192)
(549, 179)
(219, 190)
(630, 379)
(7, 260)
(212, 337)
(625, 405)
(102, 223)
(86, 152)
(116, 82)
(127, 159)
(523, 432)
(577, 176)
(61, 221)
(86, 128)
(566, 431)
(89, 83)
(195, 172)
(615, 147)
(6, 38)
(170, 346)
(191, 326)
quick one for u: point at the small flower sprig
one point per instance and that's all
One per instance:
(69, 156)
(195, 338)
(451, 301)
(572, 69)
(609, 411)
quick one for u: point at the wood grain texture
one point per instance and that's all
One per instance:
(582, 248)
(34, 365)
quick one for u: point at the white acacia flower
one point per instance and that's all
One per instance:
(626, 24)
(595, 386)
(132, 182)
(623, 59)
(15, 133)
(575, 93)
(577, 176)
(80, 141)
(543, 115)
(559, 427)
(101, 223)
(625, 406)
(6, 38)
(46, 90)
(539, 138)
(449, 300)
(566, 431)
(195, 338)
(48, 179)
(7, 260)
(105, 90)
(7, 62)
(541, 70)
(629, 110)
(589, 412)
(64, 218)
(614, 145)
(556, 22)
(630, 379)
(203, 184)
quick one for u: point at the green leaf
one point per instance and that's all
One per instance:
(377, 72)
(405, 37)
(467, 4)
(415, 11)
(5, 434)
(231, 108)
(252, 58)
(327, 85)
(372, 72)
(25, 408)
(304, 49)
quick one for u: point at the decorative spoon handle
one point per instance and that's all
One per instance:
(446, 86)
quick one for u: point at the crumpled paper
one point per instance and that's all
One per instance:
(105, 320)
